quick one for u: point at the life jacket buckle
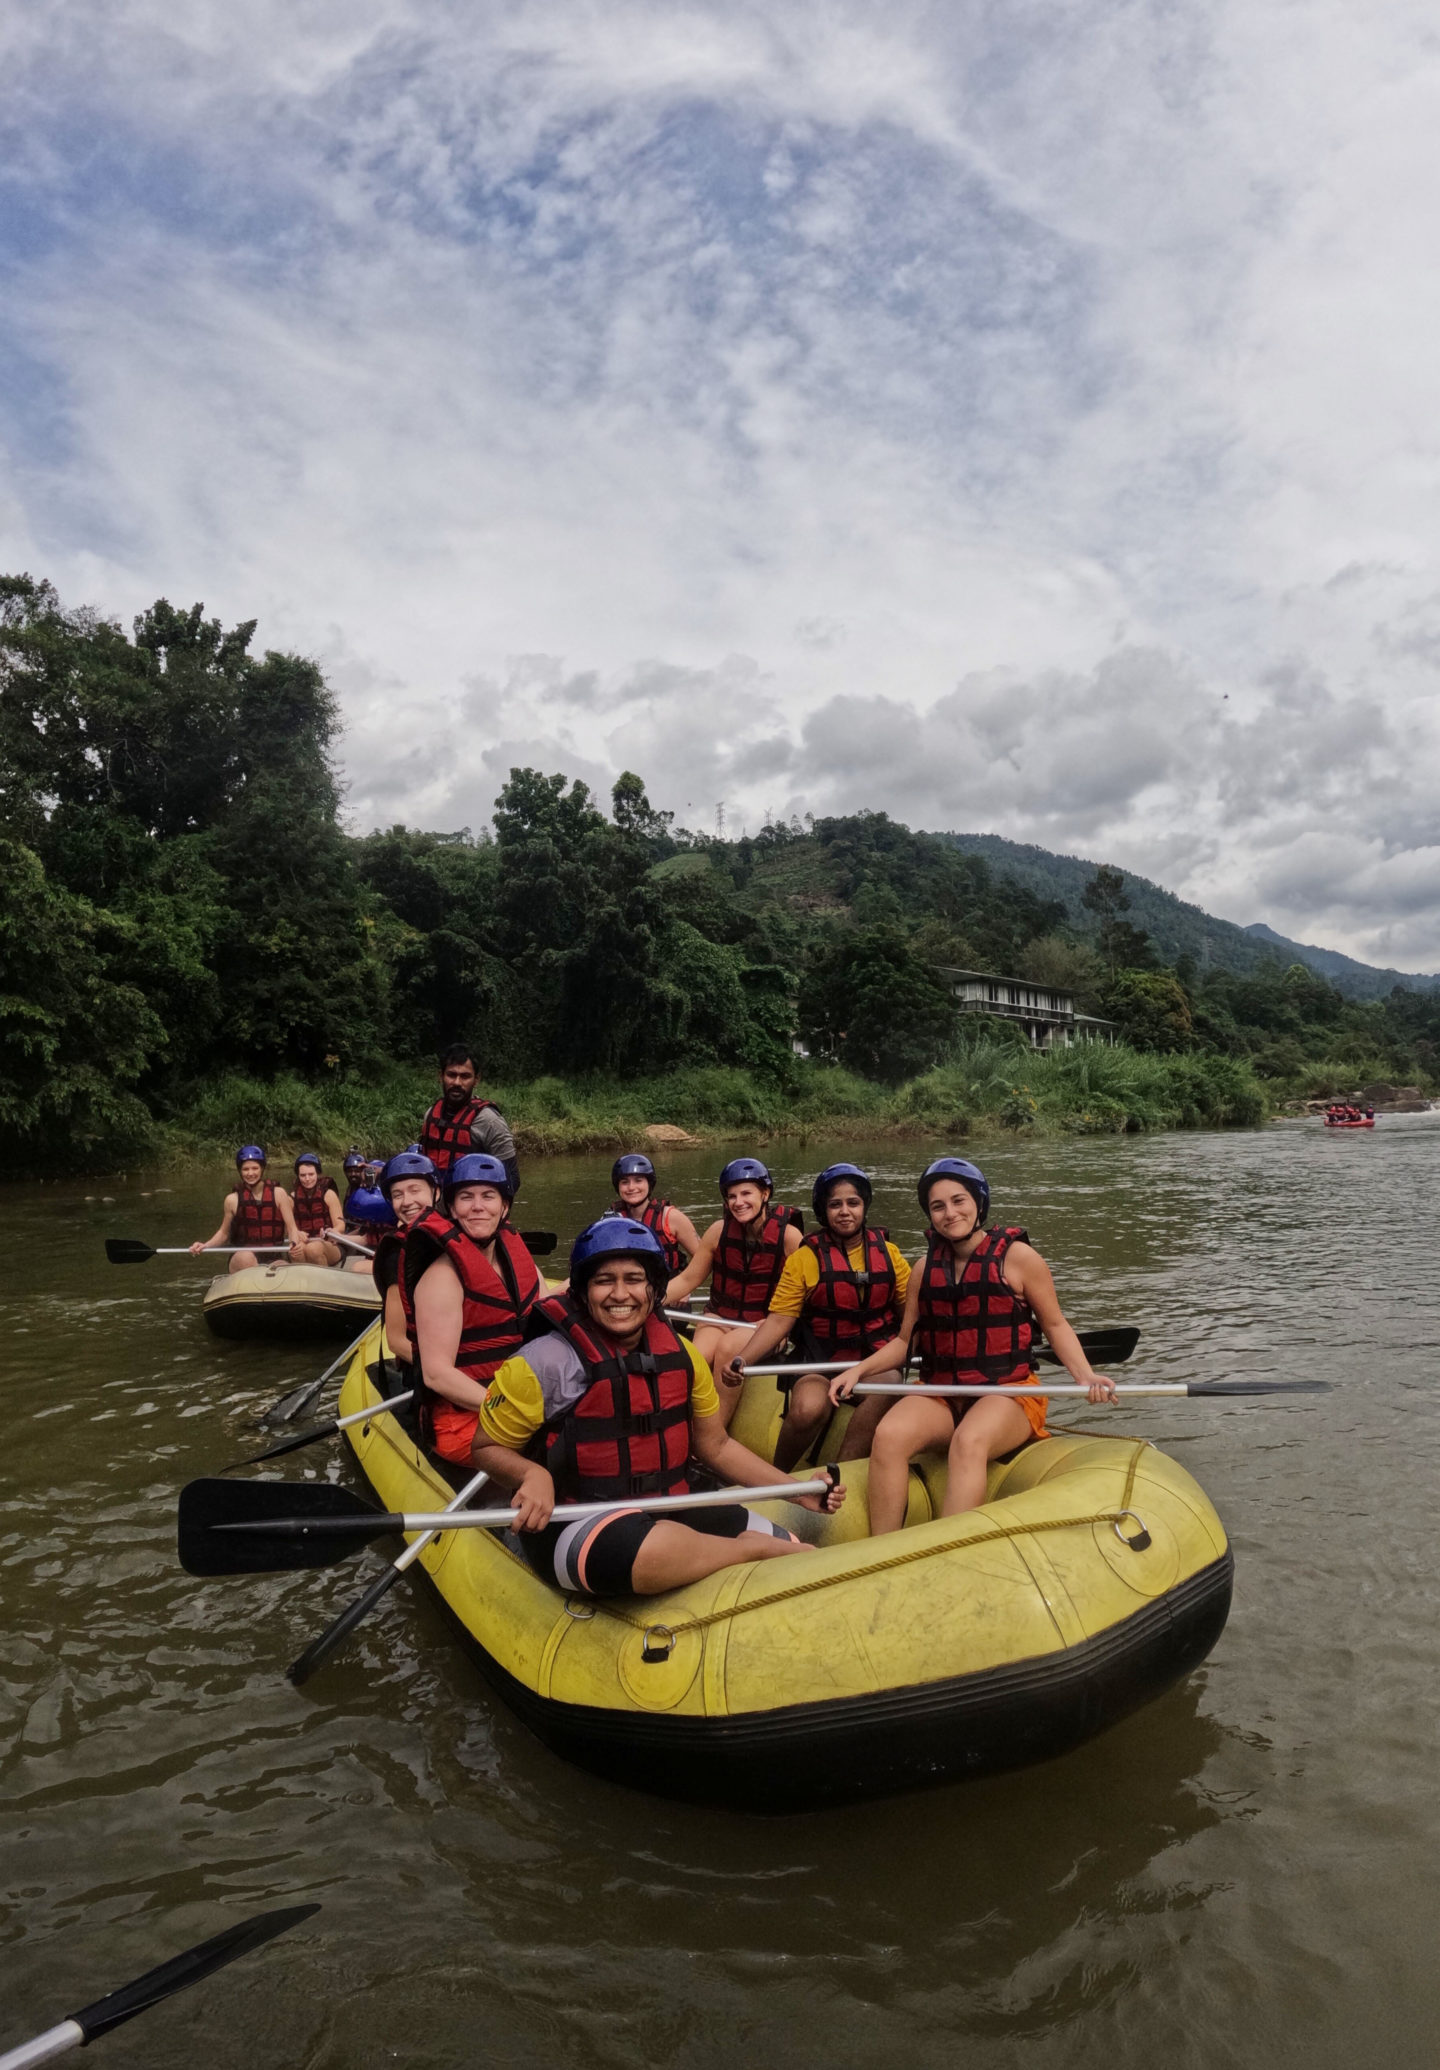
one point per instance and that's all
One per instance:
(659, 1643)
(1141, 1540)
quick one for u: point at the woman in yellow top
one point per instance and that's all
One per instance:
(845, 1287)
(609, 1408)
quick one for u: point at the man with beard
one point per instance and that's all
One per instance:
(459, 1123)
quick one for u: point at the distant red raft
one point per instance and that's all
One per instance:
(1335, 1119)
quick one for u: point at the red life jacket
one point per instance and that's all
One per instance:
(446, 1134)
(312, 1209)
(972, 1325)
(743, 1276)
(257, 1221)
(850, 1313)
(629, 1433)
(651, 1216)
(497, 1303)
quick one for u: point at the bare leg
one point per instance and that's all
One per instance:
(241, 1261)
(905, 1430)
(806, 1413)
(860, 1432)
(982, 1434)
(673, 1554)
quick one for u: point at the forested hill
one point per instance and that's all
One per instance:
(180, 900)
(1178, 928)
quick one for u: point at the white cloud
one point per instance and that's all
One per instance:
(1017, 418)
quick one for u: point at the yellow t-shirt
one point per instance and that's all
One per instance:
(514, 1405)
(801, 1276)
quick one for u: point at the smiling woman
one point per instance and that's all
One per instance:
(612, 1405)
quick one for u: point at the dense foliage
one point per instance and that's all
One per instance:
(183, 915)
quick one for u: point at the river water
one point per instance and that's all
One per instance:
(1244, 1873)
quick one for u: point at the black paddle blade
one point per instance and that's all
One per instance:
(539, 1242)
(1260, 1387)
(128, 1250)
(312, 1436)
(189, 1968)
(208, 1507)
(1107, 1347)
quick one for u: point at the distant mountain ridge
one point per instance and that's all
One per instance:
(1178, 928)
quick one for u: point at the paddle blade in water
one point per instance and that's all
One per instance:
(206, 1506)
(189, 1968)
(1259, 1387)
(539, 1242)
(128, 1250)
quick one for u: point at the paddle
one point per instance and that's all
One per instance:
(1111, 1346)
(175, 1975)
(324, 1430)
(1047, 1387)
(273, 1527)
(299, 1398)
(320, 1649)
(129, 1250)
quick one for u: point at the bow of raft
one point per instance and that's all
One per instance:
(1096, 1575)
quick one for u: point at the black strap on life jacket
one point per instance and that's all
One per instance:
(850, 1312)
(498, 1298)
(972, 1326)
(746, 1273)
(629, 1433)
(651, 1215)
(257, 1221)
(446, 1134)
(312, 1210)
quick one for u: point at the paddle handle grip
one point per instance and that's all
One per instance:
(55, 2041)
(718, 1322)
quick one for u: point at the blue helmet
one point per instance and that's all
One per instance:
(740, 1168)
(250, 1153)
(407, 1164)
(614, 1236)
(634, 1165)
(307, 1157)
(370, 1208)
(966, 1174)
(820, 1191)
(355, 1160)
(476, 1170)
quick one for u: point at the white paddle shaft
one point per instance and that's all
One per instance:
(55, 2041)
(575, 1512)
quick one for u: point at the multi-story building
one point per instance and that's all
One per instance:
(1046, 1013)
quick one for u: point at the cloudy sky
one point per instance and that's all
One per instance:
(1015, 416)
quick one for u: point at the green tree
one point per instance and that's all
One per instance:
(1150, 1008)
(1122, 945)
(871, 1004)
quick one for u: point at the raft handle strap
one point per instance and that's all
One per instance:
(1141, 1540)
(659, 1642)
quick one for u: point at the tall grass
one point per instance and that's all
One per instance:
(986, 1088)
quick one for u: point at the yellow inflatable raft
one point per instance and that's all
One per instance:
(283, 1300)
(1096, 1575)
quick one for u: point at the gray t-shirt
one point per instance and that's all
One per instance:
(490, 1133)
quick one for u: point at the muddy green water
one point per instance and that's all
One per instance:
(1245, 1873)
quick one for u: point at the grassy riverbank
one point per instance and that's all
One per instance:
(986, 1091)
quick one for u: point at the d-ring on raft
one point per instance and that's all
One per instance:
(1095, 1576)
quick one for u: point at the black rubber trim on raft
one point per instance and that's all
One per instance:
(806, 1756)
(288, 1320)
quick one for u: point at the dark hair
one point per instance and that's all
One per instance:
(458, 1053)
